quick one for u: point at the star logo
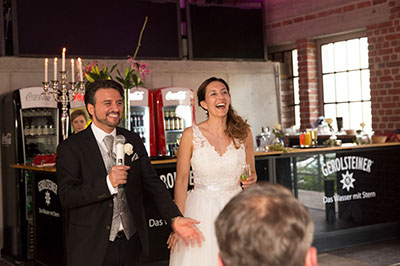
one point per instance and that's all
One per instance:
(47, 197)
(347, 181)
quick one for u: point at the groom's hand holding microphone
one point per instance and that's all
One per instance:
(118, 174)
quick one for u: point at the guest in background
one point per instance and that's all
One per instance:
(78, 120)
(216, 149)
(265, 225)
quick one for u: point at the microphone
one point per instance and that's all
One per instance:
(119, 145)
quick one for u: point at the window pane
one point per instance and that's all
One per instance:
(340, 56)
(330, 112)
(356, 117)
(343, 111)
(297, 115)
(329, 88)
(364, 52)
(327, 58)
(354, 85)
(366, 92)
(295, 64)
(296, 90)
(367, 118)
(353, 54)
(341, 87)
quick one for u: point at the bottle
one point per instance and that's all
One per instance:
(182, 121)
(144, 137)
(178, 123)
(135, 119)
(142, 119)
(166, 120)
(46, 130)
(172, 121)
(132, 122)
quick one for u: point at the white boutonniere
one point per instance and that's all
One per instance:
(128, 148)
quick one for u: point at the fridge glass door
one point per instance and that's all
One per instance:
(140, 124)
(39, 127)
(176, 119)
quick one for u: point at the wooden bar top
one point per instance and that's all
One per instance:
(30, 166)
(347, 146)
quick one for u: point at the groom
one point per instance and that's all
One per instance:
(105, 202)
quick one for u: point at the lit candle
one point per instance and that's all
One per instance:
(80, 69)
(72, 70)
(63, 59)
(46, 70)
(55, 68)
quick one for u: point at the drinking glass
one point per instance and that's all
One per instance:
(245, 172)
(302, 139)
(313, 134)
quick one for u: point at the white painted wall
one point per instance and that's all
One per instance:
(252, 84)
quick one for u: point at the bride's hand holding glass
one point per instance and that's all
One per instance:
(246, 177)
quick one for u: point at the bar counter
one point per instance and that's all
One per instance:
(351, 191)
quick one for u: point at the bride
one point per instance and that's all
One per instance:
(216, 149)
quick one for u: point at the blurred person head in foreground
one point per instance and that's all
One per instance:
(265, 225)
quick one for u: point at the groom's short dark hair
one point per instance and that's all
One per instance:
(94, 86)
(264, 225)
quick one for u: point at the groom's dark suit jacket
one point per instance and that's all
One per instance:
(82, 187)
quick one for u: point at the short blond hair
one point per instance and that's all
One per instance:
(264, 225)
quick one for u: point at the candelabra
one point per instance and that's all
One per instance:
(64, 93)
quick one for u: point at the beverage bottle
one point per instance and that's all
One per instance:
(132, 122)
(135, 119)
(144, 136)
(182, 121)
(141, 119)
(167, 125)
(172, 121)
(177, 123)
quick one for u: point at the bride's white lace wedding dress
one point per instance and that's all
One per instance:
(216, 181)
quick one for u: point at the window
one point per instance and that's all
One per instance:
(289, 86)
(296, 90)
(345, 82)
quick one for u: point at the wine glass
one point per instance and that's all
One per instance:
(245, 172)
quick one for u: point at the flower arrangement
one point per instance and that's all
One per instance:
(329, 121)
(133, 76)
(277, 130)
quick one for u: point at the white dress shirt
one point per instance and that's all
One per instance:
(99, 135)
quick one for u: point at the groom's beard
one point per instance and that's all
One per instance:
(111, 122)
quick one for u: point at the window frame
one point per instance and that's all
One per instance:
(326, 40)
(284, 49)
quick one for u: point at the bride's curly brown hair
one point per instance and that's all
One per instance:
(236, 127)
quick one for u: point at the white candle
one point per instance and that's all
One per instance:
(72, 70)
(80, 69)
(55, 68)
(46, 70)
(63, 59)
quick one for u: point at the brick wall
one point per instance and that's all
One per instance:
(384, 63)
(308, 84)
(381, 20)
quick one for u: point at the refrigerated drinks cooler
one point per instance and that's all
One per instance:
(175, 111)
(29, 127)
(142, 118)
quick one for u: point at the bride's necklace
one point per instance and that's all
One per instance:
(213, 129)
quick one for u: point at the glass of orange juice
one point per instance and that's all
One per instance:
(313, 134)
(302, 139)
(307, 139)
